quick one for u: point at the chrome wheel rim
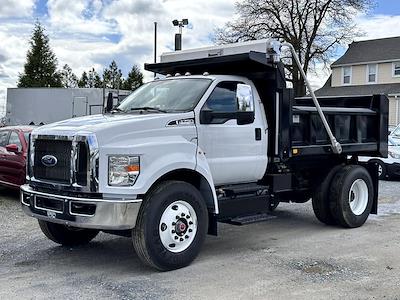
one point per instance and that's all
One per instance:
(358, 197)
(178, 226)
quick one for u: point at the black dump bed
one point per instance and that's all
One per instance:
(360, 123)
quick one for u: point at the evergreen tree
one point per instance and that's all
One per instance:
(112, 77)
(94, 80)
(68, 78)
(40, 69)
(90, 79)
(134, 79)
(83, 81)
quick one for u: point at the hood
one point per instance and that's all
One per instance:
(113, 126)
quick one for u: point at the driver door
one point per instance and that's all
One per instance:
(234, 152)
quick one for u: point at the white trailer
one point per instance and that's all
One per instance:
(38, 106)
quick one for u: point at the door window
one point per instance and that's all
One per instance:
(4, 138)
(14, 139)
(223, 97)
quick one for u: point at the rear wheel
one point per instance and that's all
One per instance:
(351, 196)
(320, 199)
(171, 226)
(65, 235)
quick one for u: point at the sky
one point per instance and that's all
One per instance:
(92, 33)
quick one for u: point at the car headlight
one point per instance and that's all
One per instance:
(394, 155)
(123, 170)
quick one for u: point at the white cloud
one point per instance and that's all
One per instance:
(91, 33)
(378, 26)
(16, 8)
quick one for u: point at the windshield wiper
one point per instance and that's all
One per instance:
(147, 108)
(116, 109)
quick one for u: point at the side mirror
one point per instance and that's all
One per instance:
(245, 104)
(12, 148)
(110, 102)
(206, 116)
(244, 98)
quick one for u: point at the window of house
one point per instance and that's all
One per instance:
(371, 73)
(396, 69)
(346, 75)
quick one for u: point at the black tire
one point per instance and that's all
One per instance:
(146, 237)
(272, 206)
(65, 235)
(320, 199)
(340, 193)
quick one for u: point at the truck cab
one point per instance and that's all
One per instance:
(217, 138)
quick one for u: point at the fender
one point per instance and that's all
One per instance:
(204, 169)
(158, 157)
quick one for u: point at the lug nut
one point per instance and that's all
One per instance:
(186, 236)
(173, 223)
(173, 231)
(190, 223)
(177, 217)
(187, 217)
(176, 237)
(182, 214)
(190, 230)
(181, 239)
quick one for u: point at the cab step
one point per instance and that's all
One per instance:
(245, 220)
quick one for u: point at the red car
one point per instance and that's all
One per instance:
(13, 152)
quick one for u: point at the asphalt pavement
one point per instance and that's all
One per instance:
(290, 256)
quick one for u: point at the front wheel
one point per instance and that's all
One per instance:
(171, 226)
(66, 235)
(351, 196)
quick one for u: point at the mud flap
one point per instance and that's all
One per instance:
(372, 168)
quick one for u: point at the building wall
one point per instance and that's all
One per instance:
(359, 75)
(393, 112)
(386, 74)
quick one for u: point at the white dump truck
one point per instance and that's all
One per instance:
(220, 138)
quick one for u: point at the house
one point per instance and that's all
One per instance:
(368, 67)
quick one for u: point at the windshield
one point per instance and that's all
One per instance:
(392, 142)
(172, 95)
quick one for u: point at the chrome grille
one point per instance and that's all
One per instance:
(60, 149)
(77, 170)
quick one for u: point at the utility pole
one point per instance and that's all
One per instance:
(155, 45)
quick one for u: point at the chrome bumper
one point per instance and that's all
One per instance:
(103, 214)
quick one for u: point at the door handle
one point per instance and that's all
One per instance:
(258, 134)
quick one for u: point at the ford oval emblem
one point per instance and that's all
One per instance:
(49, 160)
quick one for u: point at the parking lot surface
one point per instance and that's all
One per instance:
(289, 256)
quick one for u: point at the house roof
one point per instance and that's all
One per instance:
(358, 90)
(387, 49)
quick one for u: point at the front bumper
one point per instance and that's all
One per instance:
(102, 214)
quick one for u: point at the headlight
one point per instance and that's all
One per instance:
(394, 155)
(123, 170)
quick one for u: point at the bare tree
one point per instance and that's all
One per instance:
(314, 27)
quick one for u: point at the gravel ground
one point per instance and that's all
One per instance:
(290, 256)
